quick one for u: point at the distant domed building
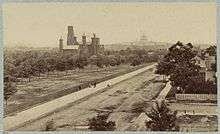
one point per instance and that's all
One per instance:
(84, 48)
(143, 40)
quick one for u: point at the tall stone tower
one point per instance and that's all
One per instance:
(70, 36)
(94, 45)
(61, 44)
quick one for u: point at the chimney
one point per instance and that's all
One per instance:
(70, 36)
(84, 39)
(61, 44)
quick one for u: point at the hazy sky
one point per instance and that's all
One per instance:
(42, 24)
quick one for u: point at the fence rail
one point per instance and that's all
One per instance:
(196, 97)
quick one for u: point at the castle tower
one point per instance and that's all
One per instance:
(94, 39)
(97, 41)
(70, 36)
(94, 44)
(61, 44)
(84, 39)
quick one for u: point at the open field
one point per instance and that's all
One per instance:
(47, 88)
(120, 99)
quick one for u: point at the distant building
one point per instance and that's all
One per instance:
(209, 62)
(84, 48)
(142, 41)
(206, 70)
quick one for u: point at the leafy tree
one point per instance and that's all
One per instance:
(9, 90)
(81, 62)
(99, 123)
(97, 60)
(179, 64)
(50, 64)
(163, 68)
(112, 60)
(211, 50)
(25, 70)
(9, 69)
(183, 75)
(135, 62)
(50, 125)
(162, 118)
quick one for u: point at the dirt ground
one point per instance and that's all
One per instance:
(198, 123)
(121, 100)
(46, 88)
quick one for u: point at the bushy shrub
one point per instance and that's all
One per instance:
(99, 123)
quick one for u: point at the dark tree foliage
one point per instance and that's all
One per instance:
(183, 75)
(28, 63)
(50, 126)
(213, 66)
(162, 118)
(135, 62)
(179, 64)
(211, 50)
(81, 62)
(99, 123)
(9, 90)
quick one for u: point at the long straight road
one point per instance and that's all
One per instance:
(46, 108)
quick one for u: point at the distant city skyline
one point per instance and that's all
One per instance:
(42, 24)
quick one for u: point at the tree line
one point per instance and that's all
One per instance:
(34, 63)
(26, 64)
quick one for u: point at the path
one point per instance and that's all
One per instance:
(46, 108)
(164, 92)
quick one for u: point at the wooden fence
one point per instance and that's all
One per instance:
(196, 97)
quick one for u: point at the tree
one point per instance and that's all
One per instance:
(25, 70)
(9, 90)
(81, 62)
(96, 60)
(99, 123)
(162, 118)
(183, 75)
(179, 64)
(50, 125)
(214, 68)
(163, 68)
(112, 60)
(211, 50)
(135, 62)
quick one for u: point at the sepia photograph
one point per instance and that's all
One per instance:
(110, 66)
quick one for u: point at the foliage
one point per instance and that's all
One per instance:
(179, 64)
(28, 63)
(211, 50)
(162, 118)
(9, 90)
(99, 123)
(49, 126)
